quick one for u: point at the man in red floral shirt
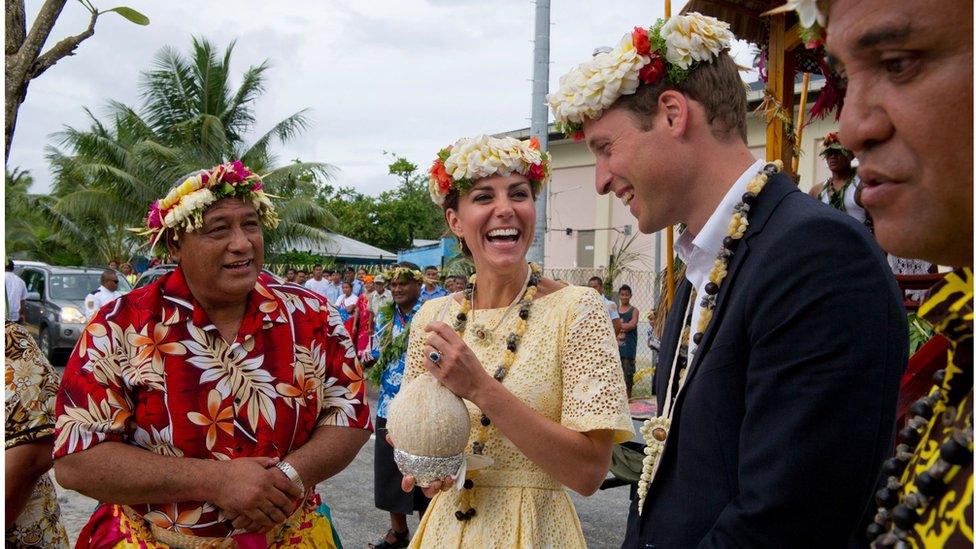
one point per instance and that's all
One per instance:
(210, 403)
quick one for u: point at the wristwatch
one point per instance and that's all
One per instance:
(292, 474)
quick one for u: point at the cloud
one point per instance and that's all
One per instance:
(407, 77)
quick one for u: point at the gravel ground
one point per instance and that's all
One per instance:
(350, 494)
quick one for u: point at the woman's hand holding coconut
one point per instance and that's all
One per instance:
(458, 368)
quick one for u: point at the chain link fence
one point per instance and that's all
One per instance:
(643, 285)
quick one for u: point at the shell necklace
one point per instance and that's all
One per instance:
(485, 334)
(655, 430)
(524, 299)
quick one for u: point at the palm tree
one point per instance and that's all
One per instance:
(107, 175)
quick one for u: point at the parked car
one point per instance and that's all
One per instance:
(55, 308)
(152, 273)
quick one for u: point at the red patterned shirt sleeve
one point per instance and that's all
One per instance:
(93, 403)
(343, 401)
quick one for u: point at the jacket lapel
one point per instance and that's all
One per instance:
(775, 191)
(669, 340)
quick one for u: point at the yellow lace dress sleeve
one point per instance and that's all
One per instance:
(594, 394)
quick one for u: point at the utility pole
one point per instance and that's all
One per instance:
(540, 121)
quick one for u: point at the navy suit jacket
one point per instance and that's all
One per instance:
(788, 409)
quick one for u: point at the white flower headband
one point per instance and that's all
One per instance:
(184, 205)
(470, 159)
(669, 49)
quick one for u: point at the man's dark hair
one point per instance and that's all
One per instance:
(109, 274)
(289, 271)
(301, 271)
(625, 287)
(429, 267)
(316, 266)
(10, 265)
(596, 278)
(408, 265)
(715, 85)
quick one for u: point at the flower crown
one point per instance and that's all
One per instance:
(832, 143)
(670, 49)
(403, 273)
(458, 166)
(184, 205)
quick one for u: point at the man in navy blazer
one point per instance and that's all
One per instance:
(778, 424)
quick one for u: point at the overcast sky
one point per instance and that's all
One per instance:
(406, 76)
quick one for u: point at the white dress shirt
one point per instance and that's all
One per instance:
(698, 252)
(98, 299)
(318, 286)
(16, 294)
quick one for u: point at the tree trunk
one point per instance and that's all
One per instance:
(24, 60)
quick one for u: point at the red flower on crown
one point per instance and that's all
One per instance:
(536, 172)
(653, 72)
(642, 42)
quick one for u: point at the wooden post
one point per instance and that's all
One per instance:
(780, 86)
(800, 120)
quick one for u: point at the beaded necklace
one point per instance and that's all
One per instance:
(524, 300)
(655, 430)
(899, 510)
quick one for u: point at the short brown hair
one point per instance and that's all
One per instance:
(715, 85)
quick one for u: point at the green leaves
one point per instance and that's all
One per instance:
(919, 332)
(130, 14)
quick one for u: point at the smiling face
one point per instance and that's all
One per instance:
(496, 219)
(908, 117)
(405, 293)
(222, 259)
(638, 166)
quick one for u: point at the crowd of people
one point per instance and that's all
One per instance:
(203, 409)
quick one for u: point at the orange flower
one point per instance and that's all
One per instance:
(355, 375)
(439, 173)
(534, 143)
(216, 418)
(153, 346)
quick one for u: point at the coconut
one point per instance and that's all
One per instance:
(430, 427)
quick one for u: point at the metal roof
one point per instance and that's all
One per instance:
(341, 247)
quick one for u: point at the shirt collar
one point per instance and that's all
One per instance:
(710, 238)
(263, 310)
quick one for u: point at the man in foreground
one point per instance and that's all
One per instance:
(908, 117)
(206, 406)
(777, 404)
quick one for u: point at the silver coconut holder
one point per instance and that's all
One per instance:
(427, 469)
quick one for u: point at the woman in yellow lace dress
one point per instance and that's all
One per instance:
(535, 360)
